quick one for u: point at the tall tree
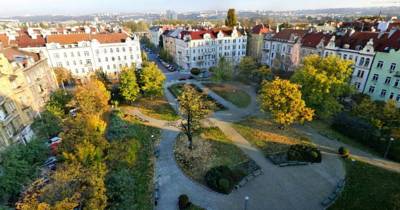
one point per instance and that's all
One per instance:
(152, 80)
(283, 99)
(58, 103)
(128, 84)
(324, 82)
(263, 73)
(231, 18)
(92, 97)
(223, 71)
(193, 108)
(63, 76)
(247, 67)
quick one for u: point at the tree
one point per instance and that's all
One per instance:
(283, 99)
(102, 77)
(140, 26)
(128, 84)
(247, 67)
(92, 97)
(58, 103)
(223, 71)
(145, 59)
(263, 73)
(63, 76)
(324, 82)
(193, 108)
(152, 79)
(46, 125)
(231, 19)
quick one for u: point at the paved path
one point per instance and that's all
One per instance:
(302, 187)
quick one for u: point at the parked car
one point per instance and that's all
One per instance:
(73, 112)
(55, 140)
(50, 160)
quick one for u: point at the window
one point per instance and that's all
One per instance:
(117, 49)
(367, 61)
(111, 50)
(72, 54)
(357, 85)
(391, 95)
(383, 93)
(106, 59)
(360, 73)
(86, 53)
(65, 54)
(387, 80)
(396, 83)
(398, 98)
(375, 77)
(99, 60)
(344, 56)
(380, 65)
(371, 89)
(105, 50)
(392, 67)
(361, 61)
(88, 62)
(97, 52)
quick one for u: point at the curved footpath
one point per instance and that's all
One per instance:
(301, 187)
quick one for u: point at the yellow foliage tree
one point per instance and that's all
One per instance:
(92, 97)
(283, 99)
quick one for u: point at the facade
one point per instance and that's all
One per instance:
(384, 80)
(156, 32)
(283, 48)
(82, 54)
(256, 41)
(203, 48)
(26, 83)
(169, 38)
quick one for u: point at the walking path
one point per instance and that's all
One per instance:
(302, 187)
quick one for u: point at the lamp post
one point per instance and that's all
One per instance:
(391, 140)
(246, 202)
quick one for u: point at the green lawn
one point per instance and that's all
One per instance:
(176, 90)
(211, 148)
(157, 108)
(131, 163)
(369, 188)
(231, 93)
(265, 134)
(324, 128)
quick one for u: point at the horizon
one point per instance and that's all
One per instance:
(64, 7)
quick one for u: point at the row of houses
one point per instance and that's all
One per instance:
(376, 56)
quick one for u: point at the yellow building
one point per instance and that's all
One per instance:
(26, 82)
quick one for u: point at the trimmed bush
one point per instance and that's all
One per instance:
(304, 153)
(183, 202)
(344, 152)
(220, 179)
(195, 71)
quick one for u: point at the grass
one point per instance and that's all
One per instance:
(177, 89)
(368, 188)
(324, 128)
(157, 108)
(211, 148)
(231, 93)
(263, 133)
(132, 148)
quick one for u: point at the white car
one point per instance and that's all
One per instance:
(55, 140)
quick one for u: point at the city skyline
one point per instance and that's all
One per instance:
(64, 7)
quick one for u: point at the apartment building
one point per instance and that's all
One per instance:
(283, 48)
(26, 84)
(82, 54)
(203, 48)
(256, 41)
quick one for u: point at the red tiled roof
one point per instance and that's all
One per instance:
(24, 40)
(75, 38)
(388, 41)
(313, 39)
(394, 25)
(285, 34)
(357, 39)
(260, 29)
(4, 40)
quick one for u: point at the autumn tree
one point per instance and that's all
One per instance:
(92, 97)
(58, 103)
(193, 108)
(324, 82)
(102, 77)
(223, 71)
(263, 73)
(247, 68)
(283, 99)
(129, 87)
(152, 80)
(231, 18)
(63, 76)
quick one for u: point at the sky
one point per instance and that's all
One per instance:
(76, 7)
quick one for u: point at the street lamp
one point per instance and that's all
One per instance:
(246, 201)
(391, 140)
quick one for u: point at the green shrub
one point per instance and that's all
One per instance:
(220, 179)
(344, 152)
(195, 71)
(305, 153)
(183, 202)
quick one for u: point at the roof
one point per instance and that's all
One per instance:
(388, 41)
(285, 34)
(24, 40)
(356, 39)
(260, 29)
(197, 35)
(314, 38)
(14, 54)
(75, 38)
(4, 40)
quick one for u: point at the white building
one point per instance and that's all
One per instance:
(85, 53)
(203, 48)
(155, 33)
